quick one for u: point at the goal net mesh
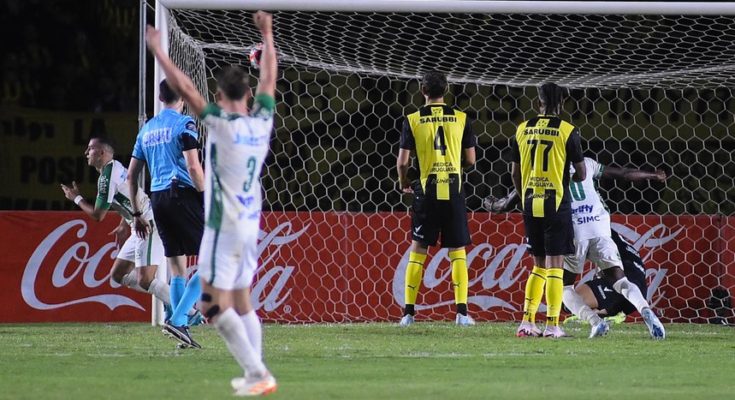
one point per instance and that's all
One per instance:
(649, 92)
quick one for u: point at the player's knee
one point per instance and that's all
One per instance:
(208, 308)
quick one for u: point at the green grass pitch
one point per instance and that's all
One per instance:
(370, 361)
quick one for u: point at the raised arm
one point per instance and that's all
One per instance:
(95, 211)
(176, 78)
(268, 63)
(633, 175)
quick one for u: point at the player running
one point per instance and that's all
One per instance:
(138, 258)
(237, 145)
(441, 137)
(594, 241)
(542, 151)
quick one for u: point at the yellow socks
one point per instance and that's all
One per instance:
(414, 272)
(458, 259)
(534, 292)
(554, 294)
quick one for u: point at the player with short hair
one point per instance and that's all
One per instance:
(595, 241)
(542, 151)
(168, 144)
(444, 143)
(137, 258)
(237, 145)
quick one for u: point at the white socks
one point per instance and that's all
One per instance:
(254, 331)
(160, 290)
(232, 330)
(131, 280)
(631, 293)
(576, 305)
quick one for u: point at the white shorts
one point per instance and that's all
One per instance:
(143, 252)
(228, 260)
(602, 251)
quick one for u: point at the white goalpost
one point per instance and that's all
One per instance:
(651, 86)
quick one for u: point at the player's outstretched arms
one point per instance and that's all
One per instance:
(633, 175)
(503, 204)
(176, 78)
(268, 63)
(93, 211)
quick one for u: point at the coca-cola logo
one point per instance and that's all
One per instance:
(495, 277)
(77, 259)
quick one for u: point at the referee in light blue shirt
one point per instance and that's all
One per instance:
(169, 144)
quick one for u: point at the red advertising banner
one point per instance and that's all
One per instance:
(329, 266)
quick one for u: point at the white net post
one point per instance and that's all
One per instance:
(651, 86)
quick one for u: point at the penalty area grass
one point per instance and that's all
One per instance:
(370, 361)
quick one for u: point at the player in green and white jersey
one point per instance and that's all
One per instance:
(137, 258)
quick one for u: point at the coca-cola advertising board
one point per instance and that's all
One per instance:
(330, 266)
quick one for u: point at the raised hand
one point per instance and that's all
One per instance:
(70, 192)
(264, 22)
(152, 38)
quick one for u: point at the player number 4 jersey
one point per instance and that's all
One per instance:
(590, 215)
(237, 146)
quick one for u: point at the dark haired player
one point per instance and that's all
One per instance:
(621, 269)
(237, 145)
(444, 143)
(137, 258)
(168, 144)
(542, 151)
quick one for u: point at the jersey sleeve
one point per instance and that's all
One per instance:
(105, 188)
(407, 140)
(515, 154)
(594, 168)
(264, 106)
(574, 147)
(138, 148)
(189, 134)
(468, 137)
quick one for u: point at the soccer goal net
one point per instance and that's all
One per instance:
(647, 91)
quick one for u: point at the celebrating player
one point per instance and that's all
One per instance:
(136, 254)
(542, 150)
(595, 241)
(237, 145)
(168, 144)
(441, 137)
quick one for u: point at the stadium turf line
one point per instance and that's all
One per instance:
(370, 361)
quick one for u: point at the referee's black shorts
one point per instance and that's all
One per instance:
(552, 235)
(179, 215)
(431, 217)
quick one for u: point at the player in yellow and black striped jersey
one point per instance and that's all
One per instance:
(443, 142)
(543, 149)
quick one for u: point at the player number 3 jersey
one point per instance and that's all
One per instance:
(589, 214)
(237, 146)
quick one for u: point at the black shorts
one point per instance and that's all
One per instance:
(179, 215)
(552, 235)
(608, 299)
(431, 217)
